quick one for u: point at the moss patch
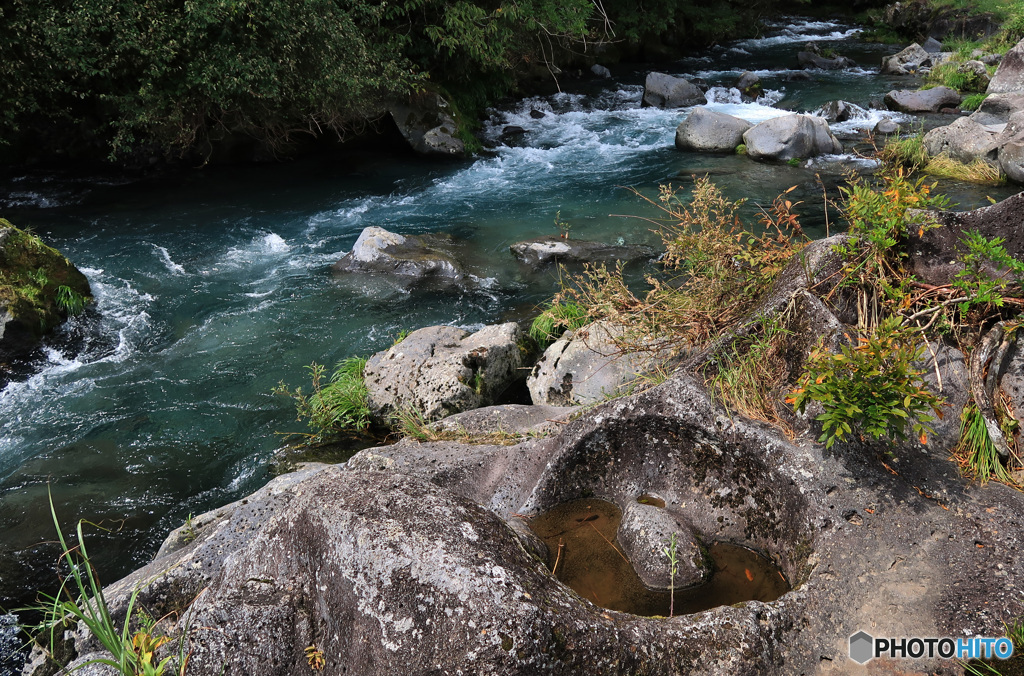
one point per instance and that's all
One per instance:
(39, 288)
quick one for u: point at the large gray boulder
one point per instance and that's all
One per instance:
(586, 366)
(549, 250)
(440, 370)
(409, 258)
(922, 101)
(666, 91)
(790, 137)
(905, 62)
(964, 141)
(1009, 77)
(709, 131)
(426, 121)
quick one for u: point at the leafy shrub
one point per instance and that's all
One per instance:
(338, 406)
(872, 388)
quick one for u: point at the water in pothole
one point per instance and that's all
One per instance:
(585, 555)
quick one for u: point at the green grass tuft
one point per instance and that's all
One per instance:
(557, 318)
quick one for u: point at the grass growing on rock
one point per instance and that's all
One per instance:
(37, 283)
(341, 404)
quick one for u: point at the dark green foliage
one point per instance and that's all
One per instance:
(177, 76)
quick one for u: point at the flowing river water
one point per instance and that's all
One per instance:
(213, 285)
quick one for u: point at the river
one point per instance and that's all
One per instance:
(213, 285)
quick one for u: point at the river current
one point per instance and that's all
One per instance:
(213, 285)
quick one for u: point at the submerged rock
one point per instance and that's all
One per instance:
(810, 59)
(790, 137)
(413, 257)
(39, 288)
(666, 91)
(440, 370)
(710, 131)
(550, 250)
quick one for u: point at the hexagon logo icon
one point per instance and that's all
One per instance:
(862, 647)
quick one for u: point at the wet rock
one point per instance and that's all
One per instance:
(537, 114)
(710, 131)
(586, 366)
(666, 91)
(749, 85)
(789, 137)
(1009, 77)
(905, 62)
(934, 254)
(921, 101)
(840, 111)
(600, 71)
(813, 60)
(412, 257)
(644, 532)
(964, 141)
(31, 283)
(887, 127)
(550, 250)
(426, 121)
(440, 370)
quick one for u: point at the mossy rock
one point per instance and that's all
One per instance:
(39, 289)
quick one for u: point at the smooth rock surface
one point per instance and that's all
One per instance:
(666, 91)
(790, 137)
(440, 370)
(922, 101)
(710, 131)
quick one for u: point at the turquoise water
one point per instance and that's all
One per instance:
(213, 285)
